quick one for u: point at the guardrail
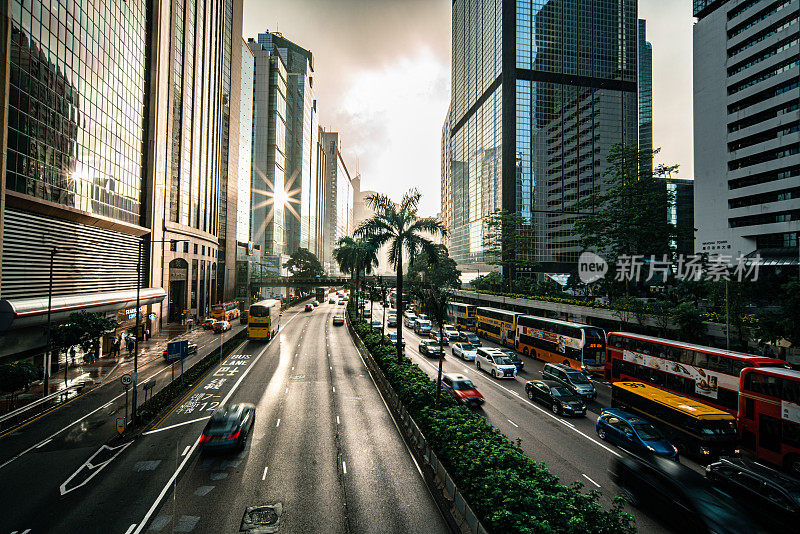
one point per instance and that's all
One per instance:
(15, 414)
(451, 502)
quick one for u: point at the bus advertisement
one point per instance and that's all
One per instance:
(226, 311)
(461, 315)
(263, 320)
(704, 373)
(497, 325)
(578, 345)
(769, 415)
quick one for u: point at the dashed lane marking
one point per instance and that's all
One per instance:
(590, 480)
(264, 476)
(513, 423)
(185, 450)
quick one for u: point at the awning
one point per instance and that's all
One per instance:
(773, 257)
(21, 313)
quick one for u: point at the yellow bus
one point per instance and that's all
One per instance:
(496, 324)
(461, 315)
(580, 346)
(263, 320)
(696, 429)
(225, 311)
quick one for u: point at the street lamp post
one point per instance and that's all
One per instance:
(47, 355)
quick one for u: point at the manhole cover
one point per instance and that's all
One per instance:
(264, 519)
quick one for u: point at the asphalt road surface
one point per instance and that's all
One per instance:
(324, 454)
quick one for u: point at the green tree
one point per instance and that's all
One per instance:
(442, 272)
(304, 264)
(402, 229)
(435, 301)
(620, 219)
(507, 242)
(17, 375)
(691, 323)
(356, 258)
(492, 281)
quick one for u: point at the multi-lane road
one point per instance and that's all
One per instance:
(324, 455)
(568, 446)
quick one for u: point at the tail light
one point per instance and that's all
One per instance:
(204, 438)
(233, 435)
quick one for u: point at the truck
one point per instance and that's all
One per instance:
(320, 295)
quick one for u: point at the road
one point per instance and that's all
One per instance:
(324, 453)
(569, 447)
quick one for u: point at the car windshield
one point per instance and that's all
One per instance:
(503, 360)
(463, 385)
(511, 355)
(467, 346)
(434, 346)
(472, 338)
(578, 379)
(648, 432)
(560, 391)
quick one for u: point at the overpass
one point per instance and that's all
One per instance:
(316, 281)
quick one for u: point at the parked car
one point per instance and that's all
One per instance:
(471, 338)
(376, 324)
(495, 363)
(769, 495)
(429, 347)
(465, 351)
(221, 326)
(575, 380)
(228, 427)
(514, 358)
(208, 324)
(422, 326)
(192, 350)
(338, 320)
(633, 433)
(678, 495)
(308, 308)
(555, 395)
(409, 318)
(434, 335)
(315, 303)
(462, 389)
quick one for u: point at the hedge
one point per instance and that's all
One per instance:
(508, 490)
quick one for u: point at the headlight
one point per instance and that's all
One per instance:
(674, 448)
(651, 449)
(737, 451)
(705, 450)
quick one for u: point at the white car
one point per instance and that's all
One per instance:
(451, 332)
(464, 351)
(495, 363)
(409, 318)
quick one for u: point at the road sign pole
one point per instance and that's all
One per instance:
(126, 403)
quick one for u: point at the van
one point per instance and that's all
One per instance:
(409, 318)
(422, 327)
(574, 380)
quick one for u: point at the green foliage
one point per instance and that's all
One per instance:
(304, 264)
(84, 329)
(620, 219)
(508, 490)
(688, 317)
(492, 281)
(441, 271)
(16, 376)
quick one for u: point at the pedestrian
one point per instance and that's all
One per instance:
(147, 333)
(130, 345)
(72, 355)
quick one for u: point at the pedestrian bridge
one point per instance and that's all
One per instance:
(317, 281)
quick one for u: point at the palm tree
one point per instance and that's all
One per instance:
(435, 301)
(355, 257)
(402, 229)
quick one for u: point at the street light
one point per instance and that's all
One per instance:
(136, 326)
(48, 356)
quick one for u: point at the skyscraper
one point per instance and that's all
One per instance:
(645, 94)
(336, 198)
(747, 129)
(541, 90)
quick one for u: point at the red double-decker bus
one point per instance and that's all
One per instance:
(769, 415)
(704, 373)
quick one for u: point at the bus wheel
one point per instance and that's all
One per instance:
(525, 351)
(792, 464)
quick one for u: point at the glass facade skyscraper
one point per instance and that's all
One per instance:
(645, 93)
(541, 90)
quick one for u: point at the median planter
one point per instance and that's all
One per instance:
(482, 481)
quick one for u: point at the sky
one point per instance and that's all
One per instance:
(382, 79)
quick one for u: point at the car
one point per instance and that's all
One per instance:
(422, 327)
(308, 308)
(514, 358)
(338, 320)
(192, 350)
(434, 335)
(678, 496)
(462, 389)
(228, 427)
(633, 433)
(554, 394)
(575, 380)
(451, 332)
(465, 351)
(495, 363)
(331, 301)
(393, 339)
(769, 495)
(471, 338)
(366, 313)
(430, 348)
(315, 303)
(391, 320)
(376, 324)
(341, 302)
(409, 318)
(208, 324)
(221, 326)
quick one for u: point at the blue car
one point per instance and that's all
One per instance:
(633, 433)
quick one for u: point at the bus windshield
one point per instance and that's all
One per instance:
(259, 311)
(716, 428)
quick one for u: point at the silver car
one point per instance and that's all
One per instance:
(465, 351)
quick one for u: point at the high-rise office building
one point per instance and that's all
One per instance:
(336, 198)
(75, 190)
(645, 95)
(301, 126)
(447, 178)
(247, 260)
(747, 128)
(541, 90)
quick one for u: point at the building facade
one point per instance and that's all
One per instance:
(336, 198)
(645, 95)
(447, 178)
(541, 90)
(747, 128)
(246, 260)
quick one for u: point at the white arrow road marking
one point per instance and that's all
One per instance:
(91, 467)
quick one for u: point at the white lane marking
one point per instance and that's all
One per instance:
(26, 531)
(466, 370)
(334, 389)
(344, 467)
(331, 368)
(287, 391)
(94, 469)
(45, 442)
(264, 476)
(170, 427)
(337, 420)
(185, 451)
(174, 476)
(278, 423)
(106, 405)
(130, 529)
(513, 423)
(293, 368)
(590, 480)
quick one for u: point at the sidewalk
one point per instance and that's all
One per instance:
(84, 374)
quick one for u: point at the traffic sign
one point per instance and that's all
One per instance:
(152, 316)
(126, 380)
(121, 423)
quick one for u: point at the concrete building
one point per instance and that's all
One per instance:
(447, 178)
(540, 93)
(645, 73)
(247, 260)
(336, 198)
(747, 128)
